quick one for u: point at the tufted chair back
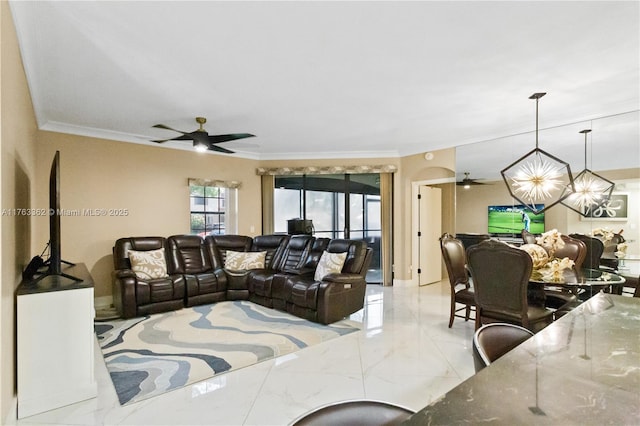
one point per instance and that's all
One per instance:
(188, 255)
(274, 245)
(574, 249)
(123, 245)
(356, 254)
(296, 252)
(501, 276)
(595, 248)
(217, 246)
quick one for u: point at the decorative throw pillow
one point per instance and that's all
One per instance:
(330, 263)
(243, 260)
(148, 265)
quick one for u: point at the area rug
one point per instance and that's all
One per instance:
(152, 355)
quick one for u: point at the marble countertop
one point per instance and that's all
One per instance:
(582, 369)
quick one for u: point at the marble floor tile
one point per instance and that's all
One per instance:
(405, 354)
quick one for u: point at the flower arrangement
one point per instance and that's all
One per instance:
(550, 241)
(606, 234)
(552, 271)
(621, 250)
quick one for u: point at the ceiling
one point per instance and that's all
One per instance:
(340, 79)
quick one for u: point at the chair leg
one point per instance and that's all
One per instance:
(478, 315)
(467, 313)
(453, 312)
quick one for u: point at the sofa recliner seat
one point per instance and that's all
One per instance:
(136, 297)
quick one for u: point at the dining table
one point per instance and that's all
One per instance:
(583, 283)
(583, 369)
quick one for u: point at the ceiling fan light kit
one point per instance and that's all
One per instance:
(202, 141)
(539, 178)
(591, 189)
(467, 181)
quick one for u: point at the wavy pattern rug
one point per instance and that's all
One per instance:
(158, 353)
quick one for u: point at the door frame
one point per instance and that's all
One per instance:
(415, 220)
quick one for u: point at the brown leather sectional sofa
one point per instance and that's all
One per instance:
(196, 274)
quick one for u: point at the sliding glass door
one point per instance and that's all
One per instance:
(340, 206)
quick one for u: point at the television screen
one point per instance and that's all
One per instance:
(512, 219)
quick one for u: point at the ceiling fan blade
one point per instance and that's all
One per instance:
(230, 137)
(162, 126)
(184, 137)
(220, 149)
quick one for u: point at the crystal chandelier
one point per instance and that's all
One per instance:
(538, 179)
(591, 189)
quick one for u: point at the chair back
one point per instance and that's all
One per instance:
(123, 245)
(274, 245)
(455, 260)
(468, 239)
(528, 237)
(188, 255)
(491, 341)
(574, 249)
(218, 245)
(594, 247)
(500, 277)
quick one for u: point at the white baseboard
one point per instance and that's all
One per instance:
(103, 302)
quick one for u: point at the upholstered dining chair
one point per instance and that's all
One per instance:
(574, 249)
(455, 260)
(528, 237)
(609, 258)
(356, 412)
(493, 340)
(501, 275)
(594, 247)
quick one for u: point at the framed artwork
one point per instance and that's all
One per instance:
(614, 209)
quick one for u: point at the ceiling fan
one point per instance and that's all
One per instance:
(467, 181)
(203, 141)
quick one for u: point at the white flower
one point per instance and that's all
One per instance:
(551, 241)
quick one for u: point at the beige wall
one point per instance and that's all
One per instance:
(17, 167)
(150, 182)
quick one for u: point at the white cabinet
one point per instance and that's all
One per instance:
(55, 342)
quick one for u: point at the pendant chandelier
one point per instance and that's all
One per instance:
(591, 189)
(538, 179)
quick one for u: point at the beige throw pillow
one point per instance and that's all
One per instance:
(148, 265)
(244, 260)
(330, 263)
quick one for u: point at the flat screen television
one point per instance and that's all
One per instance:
(54, 263)
(510, 220)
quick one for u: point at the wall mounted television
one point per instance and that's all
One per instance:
(510, 220)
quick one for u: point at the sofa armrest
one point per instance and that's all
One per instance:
(124, 292)
(340, 295)
(342, 278)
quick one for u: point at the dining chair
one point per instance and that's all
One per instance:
(493, 340)
(455, 260)
(356, 412)
(574, 249)
(528, 237)
(594, 250)
(593, 258)
(609, 258)
(501, 276)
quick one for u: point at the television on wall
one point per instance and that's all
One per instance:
(510, 220)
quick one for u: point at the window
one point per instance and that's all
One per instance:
(213, 208)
